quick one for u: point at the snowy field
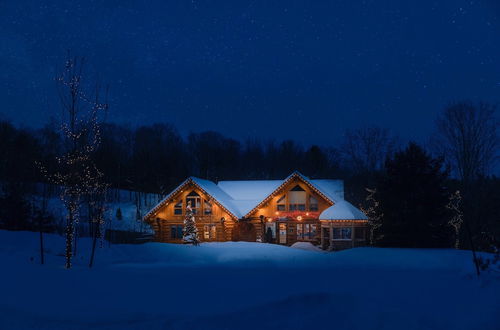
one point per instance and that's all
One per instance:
(237, 285)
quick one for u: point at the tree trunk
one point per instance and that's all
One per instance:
(41, 240)
(94, 242)
(69, 239)
(75, 239)
(476, 262)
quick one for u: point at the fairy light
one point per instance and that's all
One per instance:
(282, 186)
(77, 174)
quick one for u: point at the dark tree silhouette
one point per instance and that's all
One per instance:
(467, 135)
(366, 148)
(413, 200)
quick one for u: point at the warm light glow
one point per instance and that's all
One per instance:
(307, 213)
(299, 218)
(277, 213)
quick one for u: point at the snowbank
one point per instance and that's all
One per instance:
(238, 285)
(306, 246)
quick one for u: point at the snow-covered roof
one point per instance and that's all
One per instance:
(247, 194)
(342, 210)
(333, 188)
(250, 189)
(219, 195)
(241, 197)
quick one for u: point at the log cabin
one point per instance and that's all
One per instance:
(296, 209)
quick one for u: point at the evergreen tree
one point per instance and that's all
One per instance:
(190, 232)
(413, 200)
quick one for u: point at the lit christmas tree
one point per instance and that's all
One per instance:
(190, 232)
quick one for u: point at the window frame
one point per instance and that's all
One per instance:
(178, 208)
(309, 234)
(303, 194)
(205, 202)
(341, 231)
(281, 202)
(193, 195)
(316, 203)
(176, 231)
(210, 232)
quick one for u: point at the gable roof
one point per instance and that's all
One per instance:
(328, 189)
(342, 210)
(241, 198)
(209, 188)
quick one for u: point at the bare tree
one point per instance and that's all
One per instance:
(77, 174)
(467, 135)
(366, 148)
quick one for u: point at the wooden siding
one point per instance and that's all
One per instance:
(269, 210)
(165, 217)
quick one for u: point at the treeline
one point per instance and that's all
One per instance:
(157, 158)
(411, 184)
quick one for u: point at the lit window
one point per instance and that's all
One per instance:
(178, 208)
(194, 200)
(207, 208)
(306, 231)
(300, 231)
(210, 232)
(297, 199)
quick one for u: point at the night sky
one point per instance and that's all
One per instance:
(275, 69)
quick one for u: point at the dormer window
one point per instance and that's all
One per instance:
(194, 200)
(297, 199)
(178, 208)
(281, 204)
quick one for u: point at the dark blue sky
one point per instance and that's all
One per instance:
(275, 69)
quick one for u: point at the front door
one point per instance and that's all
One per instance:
(282, 233)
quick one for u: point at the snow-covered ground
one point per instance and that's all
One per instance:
(238, 285)
(125, 200)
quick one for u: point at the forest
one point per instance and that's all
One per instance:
(407, 188)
